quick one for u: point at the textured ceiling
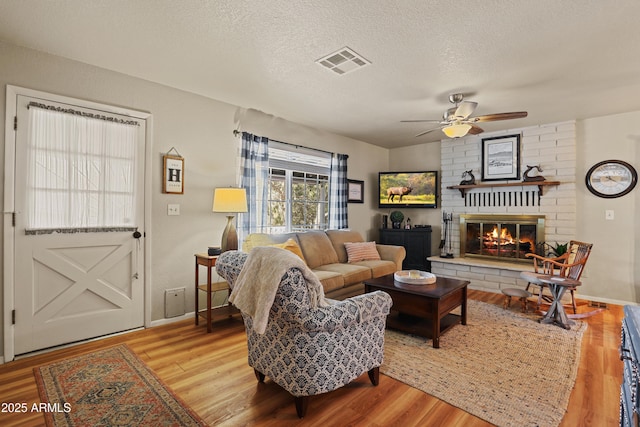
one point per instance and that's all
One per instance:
(557, 59)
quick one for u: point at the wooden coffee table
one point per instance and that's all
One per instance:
(423, 310)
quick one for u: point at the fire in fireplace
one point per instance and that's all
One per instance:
(505, 237)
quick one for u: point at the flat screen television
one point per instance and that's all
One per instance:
(408, 189)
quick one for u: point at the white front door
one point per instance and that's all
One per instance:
(72, 285)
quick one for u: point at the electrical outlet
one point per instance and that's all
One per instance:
(173, 209)
(608, 214)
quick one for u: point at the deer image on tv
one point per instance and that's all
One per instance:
(397, 191)
(408, 189)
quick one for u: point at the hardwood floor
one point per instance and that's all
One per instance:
(210, 373)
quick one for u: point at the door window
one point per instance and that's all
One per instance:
(81, 171)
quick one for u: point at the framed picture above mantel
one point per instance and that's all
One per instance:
(501, 158)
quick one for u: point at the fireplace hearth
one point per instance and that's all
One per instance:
(501, 237)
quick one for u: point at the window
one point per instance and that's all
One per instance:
(82, 170)
(298, 190)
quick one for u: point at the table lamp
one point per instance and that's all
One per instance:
(229, 200)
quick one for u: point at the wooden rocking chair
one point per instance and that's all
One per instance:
(569, 265)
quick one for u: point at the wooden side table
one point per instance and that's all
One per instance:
(556, 313)
(209, 288)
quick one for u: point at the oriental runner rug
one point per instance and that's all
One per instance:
(503, 366)
(110, 387)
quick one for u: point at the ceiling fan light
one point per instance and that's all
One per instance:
(457, 130)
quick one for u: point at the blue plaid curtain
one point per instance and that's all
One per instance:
(254, 176)
(339, 192)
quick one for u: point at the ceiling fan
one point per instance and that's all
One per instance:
(457, 121)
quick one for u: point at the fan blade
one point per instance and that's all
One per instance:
(427, 131)
(465, 109)
(475, 130)
(500, 116)
(420, 121)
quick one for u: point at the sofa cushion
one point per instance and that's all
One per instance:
(330, 280)
(338, 239)
(379, 268)
(263, 239)
(350, 272)
(291, 246)
(317, 248)
(361, 251)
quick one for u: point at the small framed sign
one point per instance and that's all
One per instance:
(356, 191)
(173, 174)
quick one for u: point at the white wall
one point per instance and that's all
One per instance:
(201, 129)
(613, 265)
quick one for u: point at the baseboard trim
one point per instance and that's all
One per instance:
(169, 320)
(579, 296)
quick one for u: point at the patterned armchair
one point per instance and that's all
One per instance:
(309, 351)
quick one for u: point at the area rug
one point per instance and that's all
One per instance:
(503, 366)
(110, 387)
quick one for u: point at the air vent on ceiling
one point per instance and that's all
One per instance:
(343, 61)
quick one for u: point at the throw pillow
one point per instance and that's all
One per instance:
(291, 246)
(361, 251)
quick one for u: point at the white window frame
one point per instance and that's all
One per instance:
(293, 159)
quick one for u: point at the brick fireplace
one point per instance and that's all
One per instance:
(553, 148)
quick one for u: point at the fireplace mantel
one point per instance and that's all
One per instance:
(540, 184)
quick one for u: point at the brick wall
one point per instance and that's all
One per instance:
(553, 148)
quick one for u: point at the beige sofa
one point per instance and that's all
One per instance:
(325, 254)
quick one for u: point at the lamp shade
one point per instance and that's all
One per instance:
(229, 200)
(457, 130)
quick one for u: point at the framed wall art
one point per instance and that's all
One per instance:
(501, 158)
(356, 191)
(173, 174)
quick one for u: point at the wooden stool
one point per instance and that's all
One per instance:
(518, 293)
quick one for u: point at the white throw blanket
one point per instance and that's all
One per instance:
(255, 290)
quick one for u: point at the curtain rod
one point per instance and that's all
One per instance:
(82, 113)
(236, 132)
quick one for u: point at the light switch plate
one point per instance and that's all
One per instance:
(609, 215)
(173, 209)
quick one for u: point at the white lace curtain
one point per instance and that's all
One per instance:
(81, 170)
